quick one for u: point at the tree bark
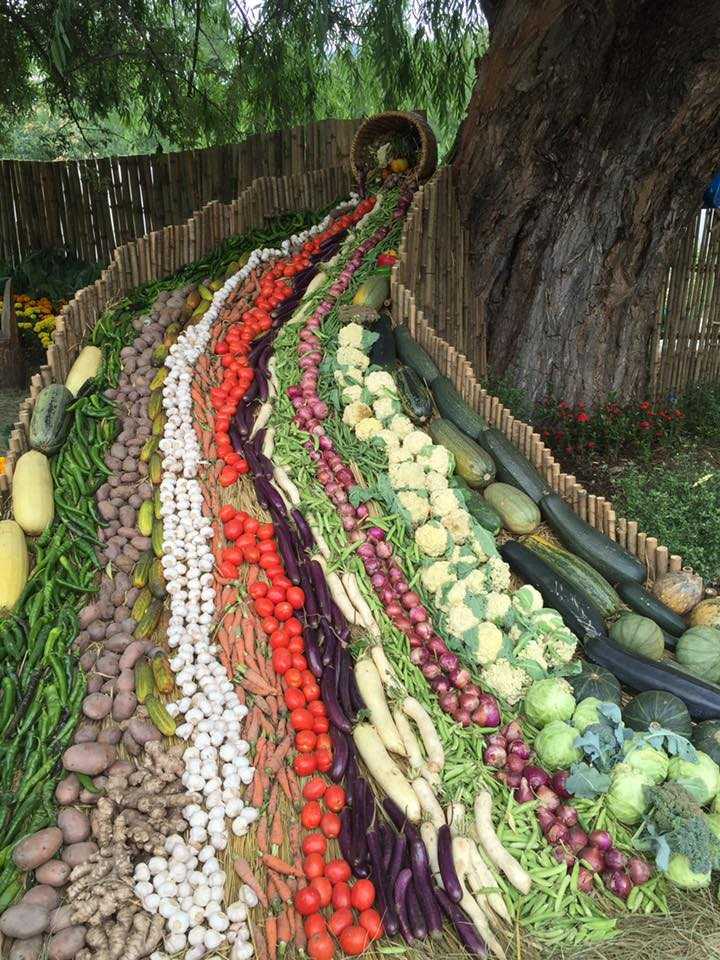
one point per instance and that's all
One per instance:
(591, 133)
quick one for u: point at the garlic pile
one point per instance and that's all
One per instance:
(187, 887)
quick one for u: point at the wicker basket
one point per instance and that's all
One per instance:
(374, 128)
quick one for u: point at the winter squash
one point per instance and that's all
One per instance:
(681, 590)
(706, 737)
(655, 710)
(699, 649)
(706, 613)
(595, 681)
(638, 635)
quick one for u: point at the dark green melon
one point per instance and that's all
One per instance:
(706, 737)
(638, 635)
(656, 709)
(594, 681)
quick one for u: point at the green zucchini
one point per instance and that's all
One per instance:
(471, 462)
(577, 573)
(512, 466)
(50, 419)
(383, 352)
(452, 406)
(606, 556)
(414, 395)
(642, 601)
(412, 354)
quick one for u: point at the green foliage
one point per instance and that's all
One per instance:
(198, 72)
(55, 274)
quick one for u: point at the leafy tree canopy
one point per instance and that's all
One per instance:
(77, 76)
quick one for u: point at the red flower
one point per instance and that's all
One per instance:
(568, 449)
(644, 424)
(582, 418)
(591, 444)
(679, 414)
(645, 405)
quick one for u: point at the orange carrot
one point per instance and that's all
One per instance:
(261, 834)
(284, 783)
(251, 730)
(280, 866)
(261, 951)
(283, 927)
(279, 755)
(295, 838)
(271, 932)
(248, 630)
(242, 869)
(300, 938)
(260, 785)
(273, 704)
(283, 889)
(276, 831)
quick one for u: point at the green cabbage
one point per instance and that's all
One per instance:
(587, 713)
(547, 700)
(701, 779)
(647, 760)
(682, 876)
(555, 746)
(626, 799)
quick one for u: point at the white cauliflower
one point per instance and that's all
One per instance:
(437, 575)
(389, 439)
(367, 428)
(527, 599)
(458, 523)
(351, 335)
(416, 441)
(396, 454)
(498, 605)
(534, 650)
(401, 425)
(416, 505)
(487, 643)
(407, 476)
(352, 394)
(515, 633)
(348, 377)
(507, 681)
(461, 619)
(431, 538)
(385, 407)
(355, 412)
(456, 593)
(498, 573)
(351, 357)
(435, 481)
(438, 459)
(443, 502)
(379, 382)
(560, 648)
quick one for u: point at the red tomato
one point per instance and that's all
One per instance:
(307, 677)
(265, 531)
(335, 798)
(305, 741)
(228, 476)
(227, 512)
(314, 789)
(279, 639)
(296, 644)
(371, 921)
(281, 661)
(338, 871)
(269, 562)
(294, 698)
(293, 627)
(321, 884)
(299, 662)
(313, 864)
(281, 581)
(228, 570)
(296, 597)
(315, 923)
(362, 895)
(301, 719)
(268, 546)
(233, 530)
(257, 589)
(307, 901)
(293, 677)
(314, 843)
(269, 624)
(324, 743)
(354, 940)
(330, 824)
(321, 947)
(341, 919)
(317, 707)
(264, 607)
(276, 594)
(304, 764)
(283, 610)
(251, 525)
(323, 759)
(341, 895)
(242, 467)
(321, 724)
(252, 555)
(311, 691)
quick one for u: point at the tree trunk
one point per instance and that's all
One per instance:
(590, 136)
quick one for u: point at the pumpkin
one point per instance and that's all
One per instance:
(706, 613)
(594, 681)
(706, 737)
(639, 635)
(699, 649)
(681, 590)
(656, 710)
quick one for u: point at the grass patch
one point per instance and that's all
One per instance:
(679, 502)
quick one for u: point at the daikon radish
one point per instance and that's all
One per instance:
(474, 906)
(412, 747)
(456, 818)
(372, 692)
(433, 747)
(287, 486)
(263, 415)
(268, 447)
(385, 771)
(428, 801)
(488, 882)
(429, 834)
(320, 541)
(497, 854)
(359, 602)
(386, 671)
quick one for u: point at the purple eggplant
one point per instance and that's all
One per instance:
(345, 835)
(358, 846)
(337, 617)
(236, 438)
(466, 930)
(321, 589)
(448, 874)
(312, 651)
(343, 672)
(303, 528)
(271, 496)
(400, 890)
(356, 700)
(395, 813)
(415, 915)
(397, 861)
(257, 469)
(330, 642)
(387, 843)
(351, 778)
(334, 710)
(423, 882)
(340, 754)
(378, 873)
(287, 553)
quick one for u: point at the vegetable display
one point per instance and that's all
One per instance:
(271, 685)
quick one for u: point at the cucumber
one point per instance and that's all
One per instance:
(642, 601)
(577, 573)
(411, 353)
(512, 466)
(452, 406)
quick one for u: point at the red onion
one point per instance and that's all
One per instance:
(488, 713)
(513, 731)
(463, 718)
(548, 798)
(378, 580)
(394, 572)
(401, 588)
(384, 550)
(535, 776)
(469, 701)
(513, 779)
(441, 685)
(423, 631)
(585, 880)
(577, 838)
(502, 777)
(496, 739)
(593, 858)
(460, 677)
(620, 884)
(449, 701)
(558, 784)
(558, 831)
(523, 794)
(367, 552)
(546, 819)
(419, 656)
(615, 859)
(431, 670)
(377, 533)
(410, 600)
(567, 815)
(563, 855)
(393, 610)
(515, 764)
(639, 870)
(362, 512)
(403, 625)
(448, 661)
(518, 748)
(418, 615)
(600, 839)
(494, 756)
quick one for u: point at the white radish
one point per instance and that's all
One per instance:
(488, 882)
(371, 690)
(263, 415)
(474, 906)
(433, 747)
(456, 818)
(429, 834)
(412, 747)
(315, 284)
(428, 801)
(497, 854)
(320, 541)
(386, 671)
(287, 486)
(385, 771)
(268, 446)
(274, 384)
(337, 591)
(360, 603)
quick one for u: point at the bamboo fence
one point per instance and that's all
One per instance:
(90, 207)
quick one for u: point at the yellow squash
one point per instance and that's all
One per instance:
(33, 505)
(13, 563)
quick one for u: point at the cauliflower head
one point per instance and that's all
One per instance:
(389, 439)
(431, 538)
(534, 650)
(435, 481)
(367, 428)
(507, 681)
(416, 441)
(527, 599)
(461, 619)
(355, 412)
(437, 575)
(351, 335)
(443, 502)
(352, 357)
(407, 476)
(498, 605)
(379, 382)
(401, 425)
(438, 459)
(498, 573)
(385, 407)
(459, 524)
(350, 376)
(487, 643)
(416, 505)
(352, 394)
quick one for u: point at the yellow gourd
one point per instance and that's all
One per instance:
(33, 505)
(86, 367)
(13, 563)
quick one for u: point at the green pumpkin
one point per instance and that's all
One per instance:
(594, 681)
(706, 737)
(655, 710)
(638, 635)
(699, 649)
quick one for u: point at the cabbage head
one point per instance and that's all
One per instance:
(682, 876)
(548, 700)
(555, 746)
(647, 760)
(626, 799)
(701, 779)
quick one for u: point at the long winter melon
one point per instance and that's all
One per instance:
(86, 367)
(519, 513)
(472, 464)
(13, 563)
(412, 354)
(33, 504)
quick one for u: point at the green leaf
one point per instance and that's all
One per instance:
(358, 495)
(672, 743)
(531, 667)
(585, 782)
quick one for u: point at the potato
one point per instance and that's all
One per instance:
(90, 758)
(143, 731)
(29, 949)
(36, 850)
(67, 944)
(24, 920)
(54, 872)
(68, 790)
(110, 735)
(85, 733)
(60, 918)
(44, 895)
(97, 705)
(74, 824)
(124, 706)
(132, 653)
(77, 853)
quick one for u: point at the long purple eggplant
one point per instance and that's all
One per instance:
(322, 591)
(345, 835)
(257, 468)
(423, 882)
(415, 914)
(397, 861)
(356, 699)
(384, 901)
(395, 813)
(340, 754)
(466, 930)
(286, 549)
(358, 845)
(334, 710)
(303, 528)
(351, 778)
(448, 874)
(400, 889)
(330, 643)
(387, 844)
(271, 496)
(343, 672)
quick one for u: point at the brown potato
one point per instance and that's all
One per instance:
(67, 944)
(74, 824)
(37, 849)
(90, 758)
(54, 872)
(24, 920)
